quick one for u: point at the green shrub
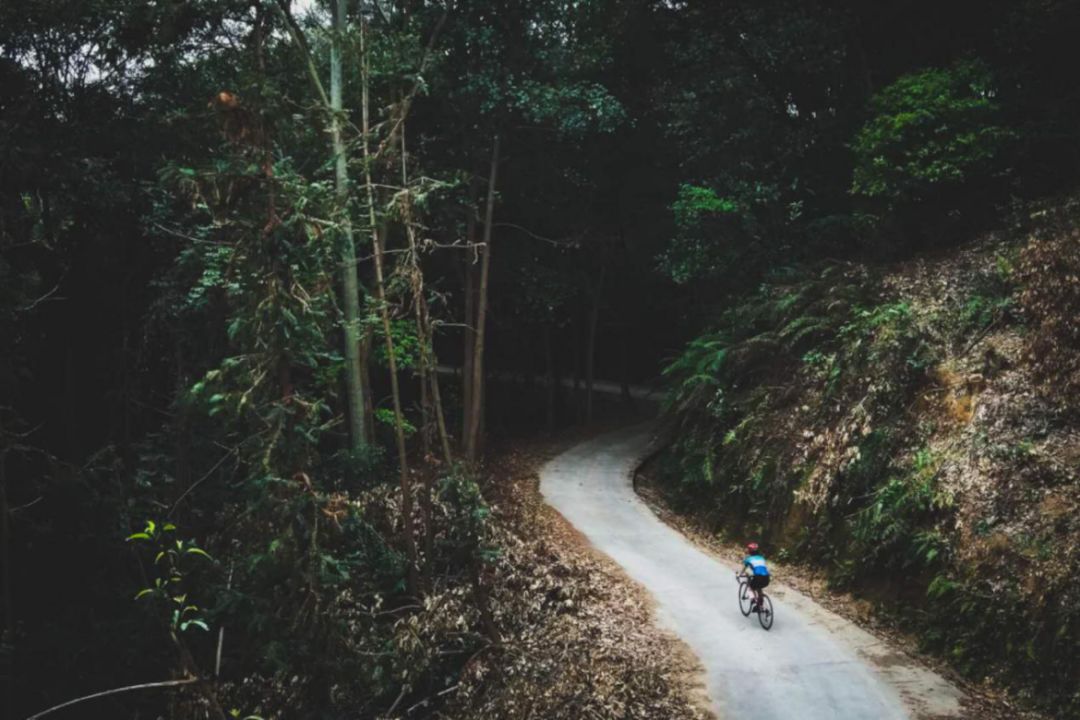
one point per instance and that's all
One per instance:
(696, 373)
(717, 231)
(930, 130)
(896, 530)
(979, 311)
(696, 203)
(888, 333)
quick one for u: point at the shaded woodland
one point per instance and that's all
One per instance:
(276, 277)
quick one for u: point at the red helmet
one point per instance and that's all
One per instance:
(751, 548)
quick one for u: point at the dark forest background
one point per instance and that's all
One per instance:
(605, 178)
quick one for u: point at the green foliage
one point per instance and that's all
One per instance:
(756, 115)
(931, 130)
(713, 232)
(171, 586)
(888, 332)
(386, 417)
(695, 252)
(696, 373)
(873, 461)
(696, 203)
(868, 321)
(191, 253)
(895, 531)
(405, 341)
(979, 312)
(840, 382)
(469, 517)
(575, 109)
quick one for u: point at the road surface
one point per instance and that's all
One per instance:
(812, 665)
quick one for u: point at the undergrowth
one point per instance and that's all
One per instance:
(865, 421)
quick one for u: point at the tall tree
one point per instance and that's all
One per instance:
(332, 104)
(350, 284)
(476, 385)
(378, 252)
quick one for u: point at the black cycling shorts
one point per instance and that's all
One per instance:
(759, 582)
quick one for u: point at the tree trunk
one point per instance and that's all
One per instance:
(350, 286)
(428, 370)
(481, 433)
(428, 345)
(549, 380)
(576, 396)
(8, 633)
(440, 418)
(424, 371)
(426, 425)
(279, 269)
(476, 409)
(365, 383)
(428, 373)
(590, 349)
(469, 333)
(416, 282)
(384, 311)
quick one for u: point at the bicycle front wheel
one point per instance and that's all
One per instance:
(745, 597)
(765, 613)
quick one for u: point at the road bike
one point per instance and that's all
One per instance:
(746, 602)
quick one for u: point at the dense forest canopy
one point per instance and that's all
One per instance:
(239, 238)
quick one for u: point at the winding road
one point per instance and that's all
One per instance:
(812, 665)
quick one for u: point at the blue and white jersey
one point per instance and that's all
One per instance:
(757, 564)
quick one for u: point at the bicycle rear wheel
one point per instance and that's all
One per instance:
(745, 597)
(765, 613)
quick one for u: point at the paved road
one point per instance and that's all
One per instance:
(812, 665)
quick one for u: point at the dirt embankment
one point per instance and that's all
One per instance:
(892, 431)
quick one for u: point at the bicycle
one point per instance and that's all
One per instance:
(746, 602)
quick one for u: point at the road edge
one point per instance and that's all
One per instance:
(977, 702)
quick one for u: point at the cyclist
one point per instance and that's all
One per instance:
(754, 566)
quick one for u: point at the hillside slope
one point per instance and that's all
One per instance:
(913, 430)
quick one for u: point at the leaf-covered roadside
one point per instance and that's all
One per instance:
(523, 621)
(578, 637)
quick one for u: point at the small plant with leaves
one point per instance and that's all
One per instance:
(897, 530)
(172, 560)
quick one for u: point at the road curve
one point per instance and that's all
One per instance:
(812, 665)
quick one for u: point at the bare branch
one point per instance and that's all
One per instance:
(298, 35)
(198, 482)
(189, 238)
(406, 103)
(116, 691)
(28, 505)
(43, 298)
(571, 241)
(400, 697)
(427, 701)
